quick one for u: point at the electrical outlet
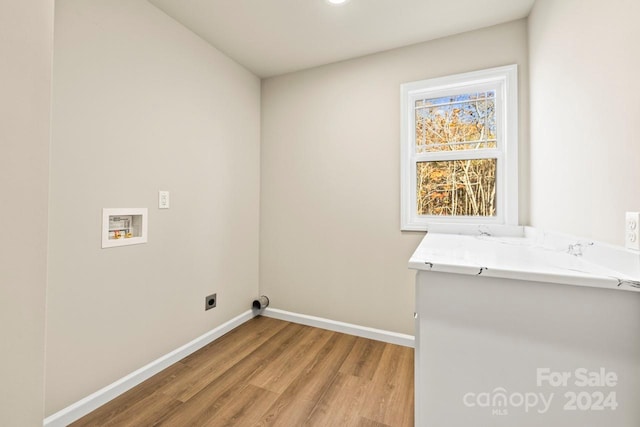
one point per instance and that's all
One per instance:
(210, 301)
(632, 230)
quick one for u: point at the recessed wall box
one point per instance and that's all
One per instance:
(124, 226)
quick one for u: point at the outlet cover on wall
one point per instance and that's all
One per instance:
(210, 301)
(163, 199)
(632, 230)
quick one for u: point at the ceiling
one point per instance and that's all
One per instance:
(271, 37)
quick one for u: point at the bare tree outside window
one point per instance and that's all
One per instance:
(456, 123)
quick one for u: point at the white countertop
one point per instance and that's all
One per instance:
(534, 256)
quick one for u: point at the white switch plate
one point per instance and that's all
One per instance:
(632, 230)
(163, 199)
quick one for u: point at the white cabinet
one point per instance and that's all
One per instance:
(500, 320)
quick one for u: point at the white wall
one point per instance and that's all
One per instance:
(585, 146)
(330, 240)
(141, 104)
(26, 47)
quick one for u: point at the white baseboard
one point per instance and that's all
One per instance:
(81, 408)
(345, 328)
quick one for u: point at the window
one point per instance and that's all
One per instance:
(460, 149)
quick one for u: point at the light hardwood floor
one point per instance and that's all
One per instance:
(268, 372)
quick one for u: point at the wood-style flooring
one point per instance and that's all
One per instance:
(268, 372)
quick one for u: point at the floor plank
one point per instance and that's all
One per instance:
(341, 403)
(269, 372)
(204, 406)
(391, 398)
(146, 412)
(297, 402)
(248, 410)
(219, 356)
(364, 359)
(292, 360)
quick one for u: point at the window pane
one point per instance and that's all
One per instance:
(458, 187)
(460, 122)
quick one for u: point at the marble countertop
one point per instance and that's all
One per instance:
(535, 256)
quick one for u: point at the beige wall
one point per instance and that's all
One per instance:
(26, 47)
(141, 104)
(330, 240)
(585, 148)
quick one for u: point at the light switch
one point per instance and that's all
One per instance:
(163, 200)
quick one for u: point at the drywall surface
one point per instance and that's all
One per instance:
(585, 148)
(330, 239)
(26, 47)
(141, 104)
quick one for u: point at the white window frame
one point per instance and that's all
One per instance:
(504, 81)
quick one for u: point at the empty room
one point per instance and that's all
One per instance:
(320, 213)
